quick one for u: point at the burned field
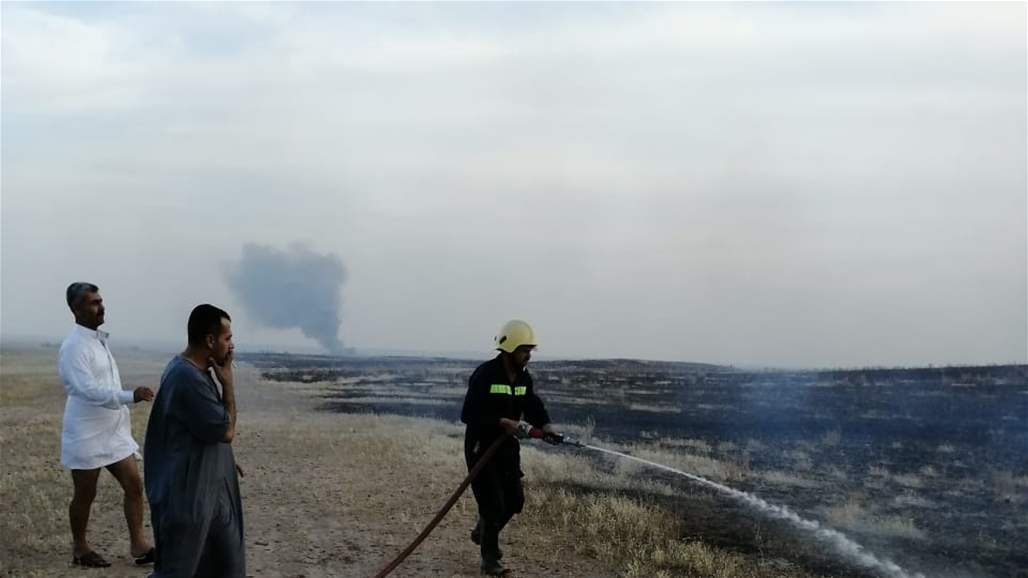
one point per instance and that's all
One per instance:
(924, 467)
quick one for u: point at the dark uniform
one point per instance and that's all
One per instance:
(497, 488)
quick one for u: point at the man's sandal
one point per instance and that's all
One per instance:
(90, 560)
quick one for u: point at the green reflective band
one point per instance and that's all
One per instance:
(500, 388)
(520, 390)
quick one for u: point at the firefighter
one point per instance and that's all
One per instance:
(500, 393)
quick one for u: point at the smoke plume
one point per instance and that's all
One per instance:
(292, 288)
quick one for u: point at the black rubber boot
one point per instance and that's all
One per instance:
(493, 567)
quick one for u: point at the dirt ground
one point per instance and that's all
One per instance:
(324, 494)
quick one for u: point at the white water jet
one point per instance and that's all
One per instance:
(842, 544)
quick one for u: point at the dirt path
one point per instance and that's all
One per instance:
(324, 494)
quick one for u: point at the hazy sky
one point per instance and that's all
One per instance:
(786, 184)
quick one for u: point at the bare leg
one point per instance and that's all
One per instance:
(78, 511)
(127, 473)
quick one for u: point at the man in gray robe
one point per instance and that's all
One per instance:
(190, 471)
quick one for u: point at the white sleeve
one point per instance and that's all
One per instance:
(79, 381)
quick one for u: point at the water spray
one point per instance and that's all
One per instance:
(841, 543)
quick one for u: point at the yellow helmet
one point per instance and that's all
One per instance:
(514, 334)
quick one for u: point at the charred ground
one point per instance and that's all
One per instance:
(925, 465)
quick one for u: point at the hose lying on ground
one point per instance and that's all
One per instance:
(446, 508)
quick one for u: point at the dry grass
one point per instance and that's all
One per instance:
(831, 438)
(324, 495)
(719, 470)
(910, 500)
(377, 400)
(692, 444)
(848, 514)
(755, 446)
(1009, 488)
(654, 408)
(929, 471)
(895, 527)
(854, 514)
(836, 473)
(639, 538)
(966, 486)
(878, 471)
(909, 480)
(335, 495)
(781, 478)
(800, 460)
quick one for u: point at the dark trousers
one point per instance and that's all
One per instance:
(499, 494)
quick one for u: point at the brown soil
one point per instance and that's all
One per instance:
(324, 494)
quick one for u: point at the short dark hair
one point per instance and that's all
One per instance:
(203, 321)
(76, 290)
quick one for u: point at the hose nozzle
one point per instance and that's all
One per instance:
(528, 431)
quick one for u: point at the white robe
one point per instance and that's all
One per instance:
(97, 428)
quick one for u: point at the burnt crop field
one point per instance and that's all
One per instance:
(926, 466)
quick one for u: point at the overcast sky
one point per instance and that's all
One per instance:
(775, 184)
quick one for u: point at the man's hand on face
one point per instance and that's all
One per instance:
(223, 371)
(142, 394)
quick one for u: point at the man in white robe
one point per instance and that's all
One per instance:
(97, 431)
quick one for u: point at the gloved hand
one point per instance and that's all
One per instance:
(547, 433)
(553, 438)
(525, 430)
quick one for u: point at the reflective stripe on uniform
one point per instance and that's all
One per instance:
(500, 388)
(520, 390)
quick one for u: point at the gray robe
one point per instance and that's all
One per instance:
(191, 481)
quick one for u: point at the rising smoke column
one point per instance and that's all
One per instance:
(292, 288)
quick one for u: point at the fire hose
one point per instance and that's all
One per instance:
(523, 431)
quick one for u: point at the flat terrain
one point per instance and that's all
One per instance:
(324, 494)
(925, 466)
(347, 458)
